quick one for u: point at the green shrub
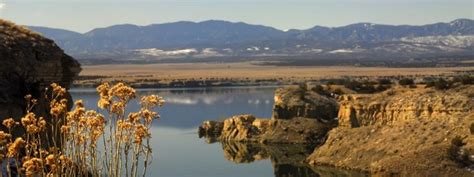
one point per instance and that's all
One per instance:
(406, 82)
(442, 84)
(320, 90)
(465, 79)
(384, 82)
(366, 87)
(455, 149)
(439, 84)
(381, 88)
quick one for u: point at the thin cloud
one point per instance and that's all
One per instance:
(2, 6)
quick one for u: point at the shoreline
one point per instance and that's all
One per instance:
(79, 88)
(160, 87)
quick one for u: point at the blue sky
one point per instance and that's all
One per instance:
(84, 15)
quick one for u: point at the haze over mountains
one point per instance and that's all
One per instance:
(221, 39)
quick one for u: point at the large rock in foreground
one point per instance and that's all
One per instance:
(246, 128)
(29, 63)
(299, 102)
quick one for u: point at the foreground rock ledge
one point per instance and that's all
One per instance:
(246, 128)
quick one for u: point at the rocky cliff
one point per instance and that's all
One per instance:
(398, 105)
(403, 132)
(299, 116)
(299, 102)
(29, 63)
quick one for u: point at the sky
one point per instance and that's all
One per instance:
(85, 15)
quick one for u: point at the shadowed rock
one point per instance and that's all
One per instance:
(29, 63)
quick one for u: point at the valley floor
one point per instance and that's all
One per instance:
(242, 73)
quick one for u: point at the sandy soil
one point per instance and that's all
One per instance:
(248, 70)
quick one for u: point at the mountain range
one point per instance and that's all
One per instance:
(219, 39)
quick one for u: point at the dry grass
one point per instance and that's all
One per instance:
(12, 29)
(125, 139)
(129, 72)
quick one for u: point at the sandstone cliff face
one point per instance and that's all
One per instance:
(404, 105)
(296, 102)
(28, 64)
(408, 132)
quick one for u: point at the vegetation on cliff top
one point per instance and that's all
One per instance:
(11, 29)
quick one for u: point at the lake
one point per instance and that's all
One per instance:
(178, 152)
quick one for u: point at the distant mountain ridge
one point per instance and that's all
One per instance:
(215, 38)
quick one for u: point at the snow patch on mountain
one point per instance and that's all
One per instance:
(450, 41)
(341, 51)
(253, 48)
(159, 52)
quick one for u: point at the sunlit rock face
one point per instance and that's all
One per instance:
(298, 102)
(404, 104)
(29, 63)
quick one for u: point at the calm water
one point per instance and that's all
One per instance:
(178, 152)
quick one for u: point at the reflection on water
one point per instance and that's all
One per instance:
(179, 153)
(188, 108)
(287, 159)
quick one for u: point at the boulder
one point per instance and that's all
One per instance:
(210, 129)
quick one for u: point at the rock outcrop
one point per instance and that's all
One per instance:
(403, 132)
(298, 102)
(29, 63)
(246, 128)
(299, 116)
(403, 105)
